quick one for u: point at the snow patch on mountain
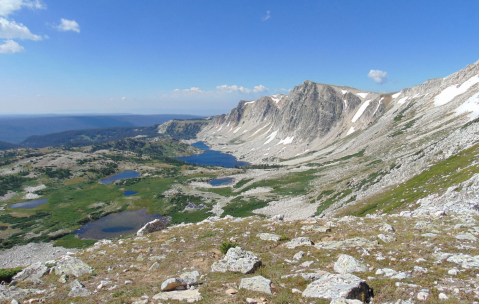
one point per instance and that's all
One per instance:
(362, 95)
(361, 110)
(470, 106)
(271, 137)
(453, 91)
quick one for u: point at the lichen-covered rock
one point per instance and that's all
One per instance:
(72, 266)
(150, 227)
(78, 290)
(189, 278)
(354, 242)
(348, 264)
(336, 286)
(13, 292)
(386, 238)
(387, 228)
(189, 296)
(269, 237)
(465, 260)
(32, 273)
(316, 228)
(257, 283)
(300, 241)
(237, 260)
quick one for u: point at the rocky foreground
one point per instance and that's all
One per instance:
(376, 259)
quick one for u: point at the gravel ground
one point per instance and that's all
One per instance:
(25, 255)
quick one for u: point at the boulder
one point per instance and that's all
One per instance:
(278, 217)
(316, 228)
(466, 236)
(465, 260)
(78, 290)
(386, 238)
(237, 260)
(189, 296)
(387, 228)
(348, 264)
(354, 242)
(32, 273)
(171, 284)
(71, 266)
(345, 301)
(150, 227)
(300, 241)
(257, 283)
(337, 286)
(189, 278)
(298, 256)
(269, 237)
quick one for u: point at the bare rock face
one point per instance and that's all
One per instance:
(337, 286)
(237, 260)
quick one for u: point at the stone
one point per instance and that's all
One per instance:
(387, 228)
(251, 301)
(335, 286)
(298, 256)
(63, 279)
(465, 260)
(345, 301)
(300, 241)
(189, 278)
(150, 227)
(78, 290)
(72, 266)
(190, 296)
(171, 284)
(348, 264)
(306, 264)
(429, 234)
(316, 228)
(237, 260)
(295, 290)
(354, 242)
(422, 296)
(453, 271)
(269, 237)
(144, 301)
(278, 217)
(443, 296)
(467, 237)
(32, 273)
(386, 238)
(154, 266)
(257, 283)
(231, 291)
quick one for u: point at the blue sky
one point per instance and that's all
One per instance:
(202, 57)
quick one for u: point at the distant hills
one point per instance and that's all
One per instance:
(15, 129)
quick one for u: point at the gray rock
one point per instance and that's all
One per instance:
(78, 290)
(278, 217)
(348, 264)
(150, 227)
(32, 273)
(387, 228)
(171, 284)
(467, 237)
(72, 266)
(336, 286)
(269, 237)
(237, 260)
(300, 241)
(14, 293)
(189, 296)
(316, 228)
(189, 278)
(312, 276)
(354, 242)
(298, 256)
(257, 283)
(429, 234)
(345, 301)
(386, 238)
(465, 260)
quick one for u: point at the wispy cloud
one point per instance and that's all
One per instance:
(268, 15)
(224, 89)
(12, 30)
(68, 25)
(260, 88)
(378, 76)
(9, 6)
(234, 88)
(10, 47)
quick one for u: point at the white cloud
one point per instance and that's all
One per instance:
(9, 6)
(260, 88)
(378, 76)
(10, 47)
(68, 25)
(234, 88)
(268, 15)
(285, 90)
(123, 98)
(12, 30)
(194, 89)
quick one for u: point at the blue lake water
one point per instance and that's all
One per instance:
(221, 181)
(115, 225)
(212, 158)
(120, 176)
(30, 204)
(129, 192)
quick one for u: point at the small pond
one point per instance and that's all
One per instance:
(30, 204)
(212, 158)
(129, 192)
(115, 225)
(120, 176)
(221, 181)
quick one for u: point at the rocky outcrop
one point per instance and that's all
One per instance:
(32, 273)
(150, 227)
(257, 283)
(348, 264)
(237, 260)
(336, 286)
(71, 266)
